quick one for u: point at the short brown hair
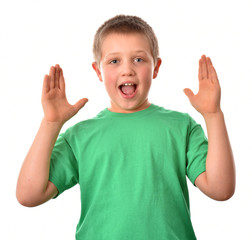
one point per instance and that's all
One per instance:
(125, 24)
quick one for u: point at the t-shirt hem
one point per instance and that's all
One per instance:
(196, 174)
(57, 185)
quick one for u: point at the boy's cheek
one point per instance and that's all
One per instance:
(109, 76)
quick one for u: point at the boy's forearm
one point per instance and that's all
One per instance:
(33, 178)
(220, 169)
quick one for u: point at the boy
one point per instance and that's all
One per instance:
(132, 159)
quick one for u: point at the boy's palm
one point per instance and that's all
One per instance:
(55, 105)
(207, 100)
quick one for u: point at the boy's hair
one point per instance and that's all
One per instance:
(125, 24)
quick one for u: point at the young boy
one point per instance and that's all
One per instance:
(132, 159)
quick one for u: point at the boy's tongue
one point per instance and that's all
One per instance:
(128, 90)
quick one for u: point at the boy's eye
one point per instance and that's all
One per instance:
(138, 59)
(114, 61)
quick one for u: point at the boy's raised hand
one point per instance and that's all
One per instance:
(207, 100)
(55, 105)
(33, 186)
(218, 181)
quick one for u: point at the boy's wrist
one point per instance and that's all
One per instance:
(52, 125)
(211, 116)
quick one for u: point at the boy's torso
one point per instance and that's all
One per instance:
(132, 174)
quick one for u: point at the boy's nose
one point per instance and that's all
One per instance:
(127, 69)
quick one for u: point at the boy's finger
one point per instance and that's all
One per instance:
(213, 75)
(200, 71)
(52, 77)
(204, 67)
(46, 85)
(80, 104)
(57, 73)
(211, 70)
(189, 93)
(209, 61)
(208, 65)
(61, 80)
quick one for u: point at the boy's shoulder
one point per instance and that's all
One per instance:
(172, 114)
(86, 125)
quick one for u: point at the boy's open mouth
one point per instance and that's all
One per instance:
(128, 89)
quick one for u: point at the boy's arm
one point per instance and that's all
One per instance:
(218, 181)
(33, 186)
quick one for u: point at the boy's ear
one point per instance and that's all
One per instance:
(97, 70)
(156, 69)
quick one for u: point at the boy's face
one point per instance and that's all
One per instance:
(127, 69)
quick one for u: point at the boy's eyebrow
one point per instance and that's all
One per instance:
(118, 53)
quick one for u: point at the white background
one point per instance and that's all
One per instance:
(37, 34)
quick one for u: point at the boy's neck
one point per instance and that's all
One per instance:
(118, 109)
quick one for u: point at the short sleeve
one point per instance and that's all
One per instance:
(197, 148)
(63, 166)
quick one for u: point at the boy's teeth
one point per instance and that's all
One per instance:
(128, 84)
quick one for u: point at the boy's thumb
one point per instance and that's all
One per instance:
(80, 104)
(189, 93)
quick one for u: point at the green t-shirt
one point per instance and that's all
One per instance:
(132, 171)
